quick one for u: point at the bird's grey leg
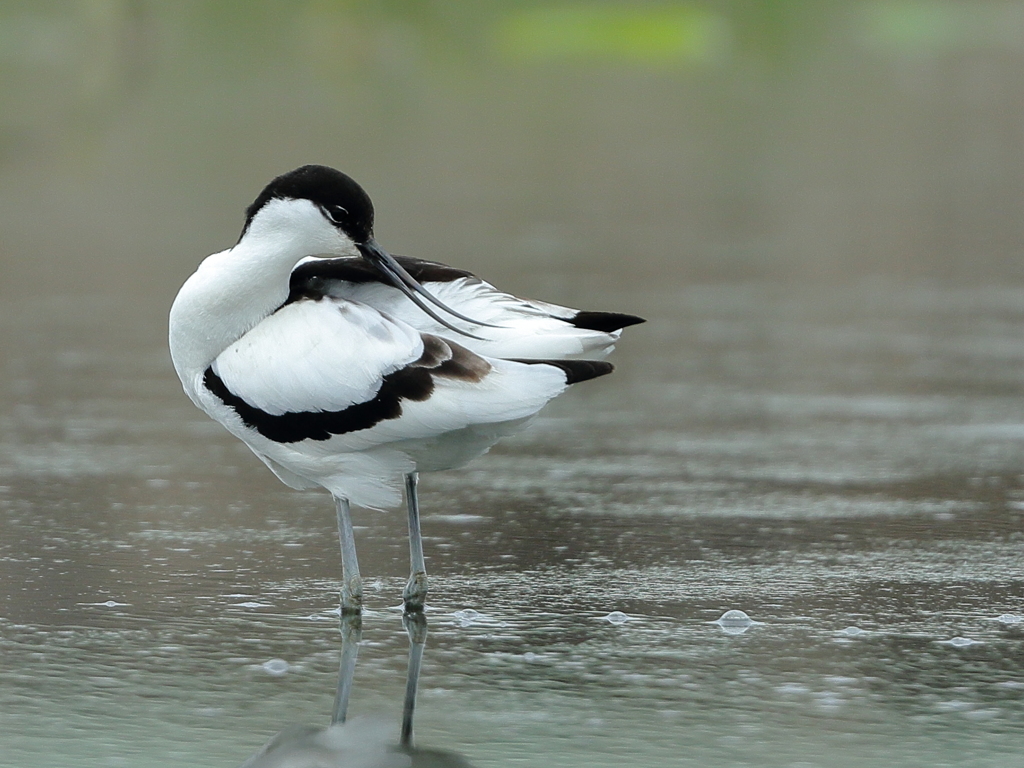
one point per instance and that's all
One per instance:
(351, 584)
(415, 593)
(351, 634)
(416, 626)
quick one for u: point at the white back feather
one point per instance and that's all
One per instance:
(316, 356)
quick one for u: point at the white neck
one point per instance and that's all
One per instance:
(232, 291)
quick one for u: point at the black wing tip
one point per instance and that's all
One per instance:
(576, 370)
(606, 322)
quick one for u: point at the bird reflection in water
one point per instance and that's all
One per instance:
(359, 743)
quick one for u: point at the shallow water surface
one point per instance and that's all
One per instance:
(844, 465)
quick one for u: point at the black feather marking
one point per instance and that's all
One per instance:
(431, 271)
(604, 321)
(576, 370)
(312, 279)
(409, 383)
(413, 382)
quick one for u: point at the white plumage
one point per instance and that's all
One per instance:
(318, 350)
(527, 328)
(316, 356)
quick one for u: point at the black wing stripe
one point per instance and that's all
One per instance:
(413, 382)
(410, 383)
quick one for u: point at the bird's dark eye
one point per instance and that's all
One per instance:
(336, 213)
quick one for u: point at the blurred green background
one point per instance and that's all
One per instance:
(795, 140)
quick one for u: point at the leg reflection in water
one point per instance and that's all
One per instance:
(360, 742)
(351, 635)
(416, 626)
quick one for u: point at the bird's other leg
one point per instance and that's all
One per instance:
(351, 634)
(415, 593)
(416, 626)
(351, 584)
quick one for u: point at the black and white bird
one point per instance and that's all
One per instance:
(344, 367)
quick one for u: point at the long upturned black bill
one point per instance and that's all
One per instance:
(396, 274)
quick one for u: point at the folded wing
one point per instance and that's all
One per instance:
(528, 328)
(329, 370)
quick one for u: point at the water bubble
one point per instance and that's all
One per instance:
(1009, 618)
(852, 631)
(318, 617)
(735, 615)
(617, 617)
(276, 667)
(734, 622)
(467, 616)
(960, 642)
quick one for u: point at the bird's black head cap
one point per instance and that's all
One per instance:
(340, 198)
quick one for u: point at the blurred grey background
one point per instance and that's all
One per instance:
(699, 141)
